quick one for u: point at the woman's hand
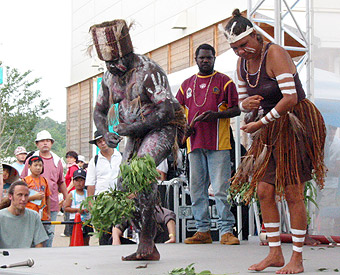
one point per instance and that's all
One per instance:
(252, 127)
(252, 102)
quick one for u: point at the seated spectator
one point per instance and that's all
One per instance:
(166, 229)
(10, 174)
(162, 169)
(20, 227)
(1, 180)
(74, 200)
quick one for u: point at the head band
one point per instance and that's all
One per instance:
(231, 37)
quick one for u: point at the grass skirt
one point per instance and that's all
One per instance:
(298, 134)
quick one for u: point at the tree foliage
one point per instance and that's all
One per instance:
(21, 107)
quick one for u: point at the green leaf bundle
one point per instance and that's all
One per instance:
(107, 208)
(138, 175)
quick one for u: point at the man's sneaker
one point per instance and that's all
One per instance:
(229, 239)
(199, 238)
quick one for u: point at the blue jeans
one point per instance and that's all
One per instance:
(50, 230)
(214, 165)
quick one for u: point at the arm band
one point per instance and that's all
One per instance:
(271, 116)
(287, 87)
(241, 107)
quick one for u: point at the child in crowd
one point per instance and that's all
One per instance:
(39, 199)
(74, 200)
(72, 166)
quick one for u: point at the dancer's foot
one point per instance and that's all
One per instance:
(294, 266)
(310, 241)
(274, 259)
(154, 256)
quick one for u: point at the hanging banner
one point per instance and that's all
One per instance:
(115, 106)
(1, 75)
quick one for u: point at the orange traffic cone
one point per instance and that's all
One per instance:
(77, 233)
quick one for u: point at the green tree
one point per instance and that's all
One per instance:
(21, 106)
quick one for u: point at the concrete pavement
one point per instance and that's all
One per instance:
(219, 259)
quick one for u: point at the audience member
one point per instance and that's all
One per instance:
(102, 172)
(53, 172)
(1, 180)
(166, 228)
(74, 200)
(210, 99)
(20, 227)
(39, 199)
(162, 169)
(20, 153)
(10, 175)
(72, 166)
(81, 161)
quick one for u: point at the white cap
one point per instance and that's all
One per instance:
(81, 158)
(44, 135)
(20, 150)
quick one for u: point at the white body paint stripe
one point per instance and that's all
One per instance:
(287, 84)
(272, 224)
(283, 76)
(273, 234)
(298, 240)
(297, 249)
(290, 91)
(298, 231)
(274, 244)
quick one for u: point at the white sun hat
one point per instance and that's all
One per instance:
(44, 135)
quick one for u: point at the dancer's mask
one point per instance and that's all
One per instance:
(111, 39)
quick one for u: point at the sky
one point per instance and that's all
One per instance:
(35, 35)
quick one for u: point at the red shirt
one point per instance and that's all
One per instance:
(215, 92)
(69, 175)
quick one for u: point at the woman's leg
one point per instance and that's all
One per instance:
(271, 219)
(298, 224)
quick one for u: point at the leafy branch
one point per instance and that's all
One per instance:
(107, 208)
(138, 174)
(115, 206)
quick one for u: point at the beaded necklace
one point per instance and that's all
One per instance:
(206, 93)
(258, 71)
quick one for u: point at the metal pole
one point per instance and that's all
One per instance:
(176, 208)
(184, 219)
(277, 17)
(310, 62)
